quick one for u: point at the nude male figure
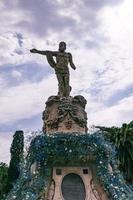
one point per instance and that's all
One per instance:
(60, 66)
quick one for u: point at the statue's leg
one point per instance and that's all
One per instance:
(60, 84)
(66, 84)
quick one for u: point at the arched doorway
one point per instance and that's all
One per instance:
(73, 187)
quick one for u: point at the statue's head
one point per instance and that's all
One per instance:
(62, 46)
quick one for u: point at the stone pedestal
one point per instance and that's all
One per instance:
(66, 114)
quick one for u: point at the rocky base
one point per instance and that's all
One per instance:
(66, 114)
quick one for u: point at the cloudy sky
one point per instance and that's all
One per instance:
(99, 34)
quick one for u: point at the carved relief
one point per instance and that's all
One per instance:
(64, 114)
(68, 124)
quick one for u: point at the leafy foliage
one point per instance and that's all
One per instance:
(122, 138)
(3, 179)
(16, 151)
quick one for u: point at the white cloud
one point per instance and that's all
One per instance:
(26, 100)
(16, 74)
(100, 38)
(90, 62)
(115, 115)
(5, 144)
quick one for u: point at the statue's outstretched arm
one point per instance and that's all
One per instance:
(49, 55)
(71, 61)
(38, 51)
(53, 53)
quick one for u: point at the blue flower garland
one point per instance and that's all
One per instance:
(59, 149)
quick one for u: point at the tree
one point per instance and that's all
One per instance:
(122, 138)
(16, 151)
(3, 178)
(125, 151)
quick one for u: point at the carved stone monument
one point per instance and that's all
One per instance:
(66, 114)
(65, 162)
(63, 113)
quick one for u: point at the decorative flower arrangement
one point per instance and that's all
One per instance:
(59, 149)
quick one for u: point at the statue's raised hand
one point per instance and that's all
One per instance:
(33, 51)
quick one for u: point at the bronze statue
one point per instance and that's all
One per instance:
(61, 67)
